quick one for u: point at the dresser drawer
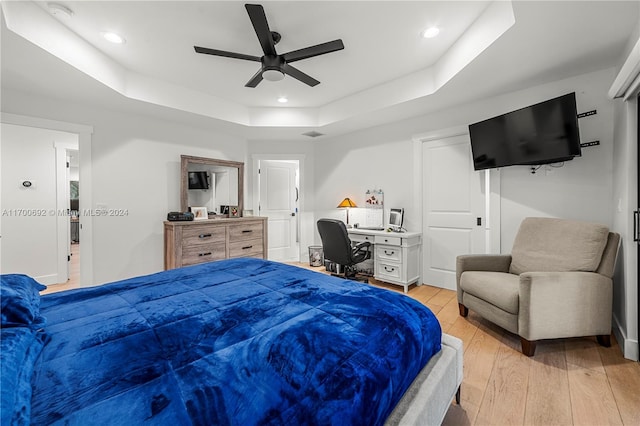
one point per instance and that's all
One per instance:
(247, 248)
(386, 253)
(384, 239)
(245, 231)
(202, 253)
(202, 234)
(388, 270)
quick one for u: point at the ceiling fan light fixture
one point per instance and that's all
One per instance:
(431, 32)
(272, 75)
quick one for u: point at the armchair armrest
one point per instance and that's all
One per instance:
(564, 304)
(480, 262)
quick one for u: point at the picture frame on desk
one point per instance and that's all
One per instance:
(233, 211)
(199, 213)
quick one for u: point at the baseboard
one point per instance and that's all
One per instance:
(629, 347)
(445, 286)
(48, 279)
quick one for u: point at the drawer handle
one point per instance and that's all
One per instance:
(389, 253)
(244, 231)
(204, 254)
(246, 247)
(386, 241)
(204, 235)
(389, 270)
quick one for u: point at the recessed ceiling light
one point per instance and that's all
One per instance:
(431, 32)
(113, 38)
(59, 10)
(283, 99)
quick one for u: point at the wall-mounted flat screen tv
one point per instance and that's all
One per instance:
(198, 180)
(543, 133)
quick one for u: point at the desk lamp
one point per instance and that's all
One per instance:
(347, 203)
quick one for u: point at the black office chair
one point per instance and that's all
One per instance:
(337, 247)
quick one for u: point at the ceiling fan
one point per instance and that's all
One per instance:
(274, 66)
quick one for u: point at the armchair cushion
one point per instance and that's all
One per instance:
(557, 245)
(499, 288)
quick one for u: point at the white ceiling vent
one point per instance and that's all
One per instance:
(313, 134)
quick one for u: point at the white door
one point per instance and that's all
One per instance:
(278, 203)
(454, 208)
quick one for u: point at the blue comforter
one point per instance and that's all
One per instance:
(242, 341)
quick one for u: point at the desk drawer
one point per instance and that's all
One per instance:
(203, 234)
(246, 231)
(388, 270)
(358, 238)
(384, 239)
(386, 253)
(202, 253)
(248, 248)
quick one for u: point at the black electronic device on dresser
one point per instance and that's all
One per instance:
(179, 216)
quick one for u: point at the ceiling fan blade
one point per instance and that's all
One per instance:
(260, 24)
(226, 54)
(299, 75)
(255, 80)
(318, 49)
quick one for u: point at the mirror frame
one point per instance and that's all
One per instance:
(186, 160)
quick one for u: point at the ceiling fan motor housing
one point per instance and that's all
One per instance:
(274, 66)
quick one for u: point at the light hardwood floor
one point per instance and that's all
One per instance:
(567, 382)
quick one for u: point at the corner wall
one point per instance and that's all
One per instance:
(136, 168)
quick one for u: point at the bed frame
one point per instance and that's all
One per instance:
(429, 397)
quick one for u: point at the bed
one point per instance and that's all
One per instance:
(239, 341)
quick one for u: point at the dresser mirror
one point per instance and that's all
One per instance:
(214, 184)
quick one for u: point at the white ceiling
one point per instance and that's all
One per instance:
(386, 71)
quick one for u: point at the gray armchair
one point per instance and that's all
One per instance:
(556, 283)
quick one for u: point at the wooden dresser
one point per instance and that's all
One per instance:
(198, 241)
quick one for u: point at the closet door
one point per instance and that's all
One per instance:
(456, 209)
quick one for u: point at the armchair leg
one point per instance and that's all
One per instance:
(528, 347)
(464, 311)
(458, 396)
(604, 340)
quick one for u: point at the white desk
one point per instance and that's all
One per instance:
(396, 255)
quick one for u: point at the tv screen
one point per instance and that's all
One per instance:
(543, 133)
(198, 180)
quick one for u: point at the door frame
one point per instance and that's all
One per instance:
(62, 203)
(492, 180)
(84, 133)
(300, 158)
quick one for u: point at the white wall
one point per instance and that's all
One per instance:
(135, 167)
(625, 290)
(378, 158)
(383, 157)
(29, 228)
